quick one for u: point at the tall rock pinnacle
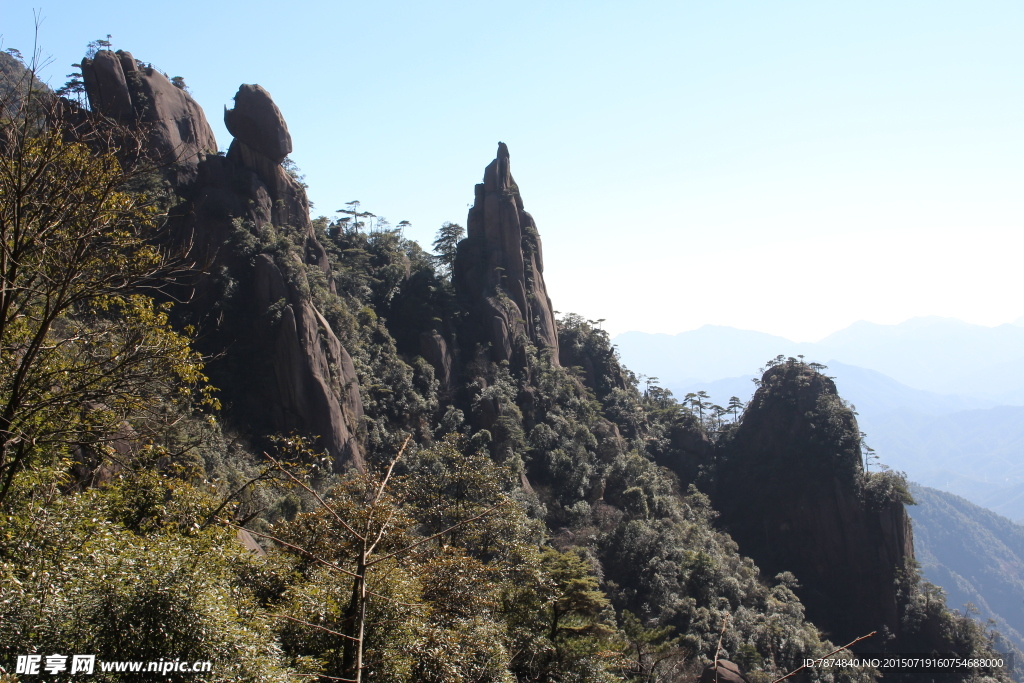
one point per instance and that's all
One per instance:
(499, 270)
(290, 370)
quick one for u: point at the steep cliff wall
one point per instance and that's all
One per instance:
(312, 386)
(499, 271)
(288, 367)
(791, 492)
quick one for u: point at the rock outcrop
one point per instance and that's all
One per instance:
(314, 388)
(499, 271)
(792, 494)
(295, 373)
(174, 126)
(722, 671)
(434, 350)
(257, 122)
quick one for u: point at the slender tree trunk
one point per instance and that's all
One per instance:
(352, 662)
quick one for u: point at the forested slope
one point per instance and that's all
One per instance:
(446, 483)
(976, 556)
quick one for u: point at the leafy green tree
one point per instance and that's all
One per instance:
(445, 245)
(735, 407)
(699, 401)
(81, 348)
(128, 572)
(652, 654)
(570, 622)
(361, 553)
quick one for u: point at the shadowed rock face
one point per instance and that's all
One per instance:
(434, 350)
(499, 270)
(314, 388)
(175, 126)
(298, 376)
(791, 494)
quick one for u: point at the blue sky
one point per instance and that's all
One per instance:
(789, 167)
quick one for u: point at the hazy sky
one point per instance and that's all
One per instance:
(789, 167)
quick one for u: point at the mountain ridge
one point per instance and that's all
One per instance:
(379, 410)
(985, 361)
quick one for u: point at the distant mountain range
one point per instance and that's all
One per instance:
(943, 355)
(938, 398)
(975, 555)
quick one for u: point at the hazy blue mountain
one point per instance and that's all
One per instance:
(1002, 382)
(873, 393)
(975, 555)
(941, 355)
(963, 442)
(978, 454)
(702, 355)
(937, 354)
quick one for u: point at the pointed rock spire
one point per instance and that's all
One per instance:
(311, 387)
(499, 270)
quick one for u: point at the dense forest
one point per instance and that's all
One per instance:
(308, 448)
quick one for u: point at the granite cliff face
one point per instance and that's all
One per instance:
(312, 387)
(174, 126)
(296, 376)
(791, 492)
(499, 271)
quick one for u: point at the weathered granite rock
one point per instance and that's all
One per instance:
(265, 144)
(307, 381)
(250, 543)
(791, 493)
(317, 390)
(499, 270)
(722, 671)
(314, 400)
(434, 350)
(174, 125)
(270, 286)
(107, 87)
(258, 123)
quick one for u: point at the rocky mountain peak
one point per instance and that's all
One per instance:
(257, 122)
(793, 495)
(499, 270)
(309, 384)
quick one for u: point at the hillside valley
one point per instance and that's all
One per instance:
(977, 557)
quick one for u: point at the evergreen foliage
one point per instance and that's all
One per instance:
(544, 522)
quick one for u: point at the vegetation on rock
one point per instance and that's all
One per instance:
(547, 520)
